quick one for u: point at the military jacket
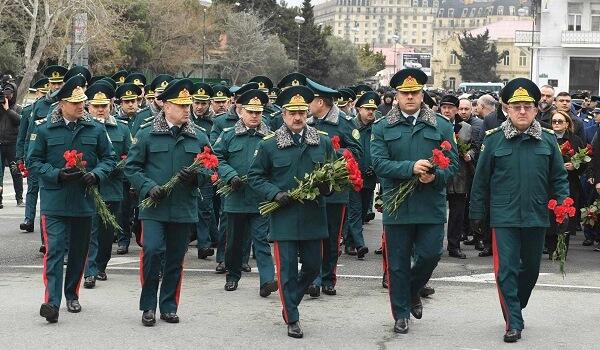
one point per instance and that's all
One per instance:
(365, 161)
(336, 123)
(111, 189)
(518, 173)
(236, 148)
(154, 157)
(223, 121)
(396, 145)
(22, 135)
(48, 144)
(206, 121)
(278, 162)
(40, 110)
(142, 116)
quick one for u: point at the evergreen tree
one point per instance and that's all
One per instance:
(314, 50)
(479, 58)
(370, 62)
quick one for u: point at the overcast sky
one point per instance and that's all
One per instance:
(292, 3)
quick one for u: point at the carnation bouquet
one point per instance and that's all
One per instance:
(561, 212)
(224, 189)
(582, 156)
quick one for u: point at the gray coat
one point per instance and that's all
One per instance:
(460, 183)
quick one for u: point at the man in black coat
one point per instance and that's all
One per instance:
(9, 129)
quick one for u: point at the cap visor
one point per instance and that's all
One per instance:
(253, 108)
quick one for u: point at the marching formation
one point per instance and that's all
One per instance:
(290, 173)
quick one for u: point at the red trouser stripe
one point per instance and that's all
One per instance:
(142, 255)
(496, 260)
(339, 240)
(279, 286)
(44, 277)
(387, 271)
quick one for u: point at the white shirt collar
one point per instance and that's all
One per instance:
(171, 124)
(67, 121)
(416, 114)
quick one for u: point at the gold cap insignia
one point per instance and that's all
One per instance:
(121, 79)
(410, 83)
(100, 96)
(129, 93)
(164, 84)
(255, 101)
(261, 85)
(255, 104)
(371, 101)
(295, 82)
(137, 82)
(219, 93)
(521, 95)
(297, 103)
(77, 95)
(297, 99)
(55, 75)
(184, 93)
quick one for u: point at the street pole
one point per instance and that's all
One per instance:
(532, 41)
(299, 21)
(203, 43)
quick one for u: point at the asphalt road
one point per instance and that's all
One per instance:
(464, 312)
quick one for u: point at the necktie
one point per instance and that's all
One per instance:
(71, 125)
(410, 119)
(175, 130)
(251, 132)
(296, 138)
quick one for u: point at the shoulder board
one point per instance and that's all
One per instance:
(322, 132)
(549, 131)
(348, 117)
(227, 129)
(142, 109)
(145, 125)
(122, 121)
(149, 118)
(40, 121)
(378, 120)
(199, 127)
(269, 136)
(492, 131)
(54, 104)
(220, 114)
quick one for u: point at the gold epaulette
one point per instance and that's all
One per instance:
(492, 131)
(549, 131)
(149, 118)
(123, 121)
(40, 121)
(145, 125)
(322, 132)
(269, 136)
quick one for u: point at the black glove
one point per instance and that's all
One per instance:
(324, 189)
(190, 177)
(90, 179)
(370, 171)
(69, 175)
(283, 199)
(116, 172)
(157, 193)
(476, 225)
(132, 194)
(236, 183)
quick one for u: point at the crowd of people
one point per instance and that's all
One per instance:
(133, 137)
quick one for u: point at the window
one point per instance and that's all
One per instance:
(511, 10)
(452, 83)
(414, 41)
(450, 12)
(405, 25)
(415, 3)
(425, 3)
(574, 11)
(436, 3)
(424, 25)
(506, 60)
(465, 12)
(414, 25)
(595, 17)
(423, 41)
(441, 13)
(453, 59)
(480, 12)
(522, 59)
(500, 10)
(472, 12)
(489, 11)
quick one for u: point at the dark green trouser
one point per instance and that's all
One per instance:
(427, 240)
(56, 231)
(291, 283)
(336, 217)
(517, 257)
(168, 241)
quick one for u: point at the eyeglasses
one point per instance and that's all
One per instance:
(558, 121)
(518, 108)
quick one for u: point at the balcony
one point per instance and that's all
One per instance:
(580, 39)
(524, 38)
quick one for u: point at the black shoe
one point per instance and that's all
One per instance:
(101, 276)
(314, 291)
(426, 291)
(361, 252)
(49, 312)
(416, 307)
(230, 286)
(329, 290)
(73, 306)
(384, 283)
(379, 251)
(486, 252)
(512, 335)
(479, 246)
(170, 317)
(294, 330)
(369, 217)
(401, 326)
(246, 268)
(203, 253)
(42, 249)
(471, 241)
(27, 225)
(148, 318)
(349, 251)
(586, 242)
(456, 253)
(268, 288)
(89, 282)
(221, 268)
(20, 202)
(122, 250)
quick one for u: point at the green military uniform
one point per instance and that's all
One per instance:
(111, 188)
(292, 79)
(66, 207)
(518, 172)
(158, 153)
(298, 228)
(146, 114)
(334, 123)
(417, 227)
(236, 148)
(119, 77)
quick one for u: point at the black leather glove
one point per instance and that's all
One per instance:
(283, 199)
(476, 225)
(132, 194)
(370, 171)
(157, 193)
(324, 189)
(190, 177)
(116, 172)
(69, 174)
(90, 179)
(236, 183)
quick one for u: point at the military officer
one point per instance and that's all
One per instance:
(265, 85)
(79, 70)
(100, 95)
(41, 88)
(200, 110)
(345, 101)
(235, 149)
(139, 80)
(147, 114)
(292, 79)
(360, 202)
(149, 95)
(401, 144)
(66, 207)
(126, 96)
(39, 111)
(220, 99)
(297, 229)
(273, 92)
(160, 151)
(119, 77)
(327, 117)
(520, 168)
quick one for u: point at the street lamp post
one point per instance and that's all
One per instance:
(396, 38)
(205, 4)
(299, 21)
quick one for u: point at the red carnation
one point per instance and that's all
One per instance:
(568, 201)
(446, 146)
(571, 152)
(589, 150)
(207, 158)
(214, 177)
(123, 156)
(335, 142)
(552, 204)
(440, 160)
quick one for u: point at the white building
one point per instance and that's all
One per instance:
(566, 44)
